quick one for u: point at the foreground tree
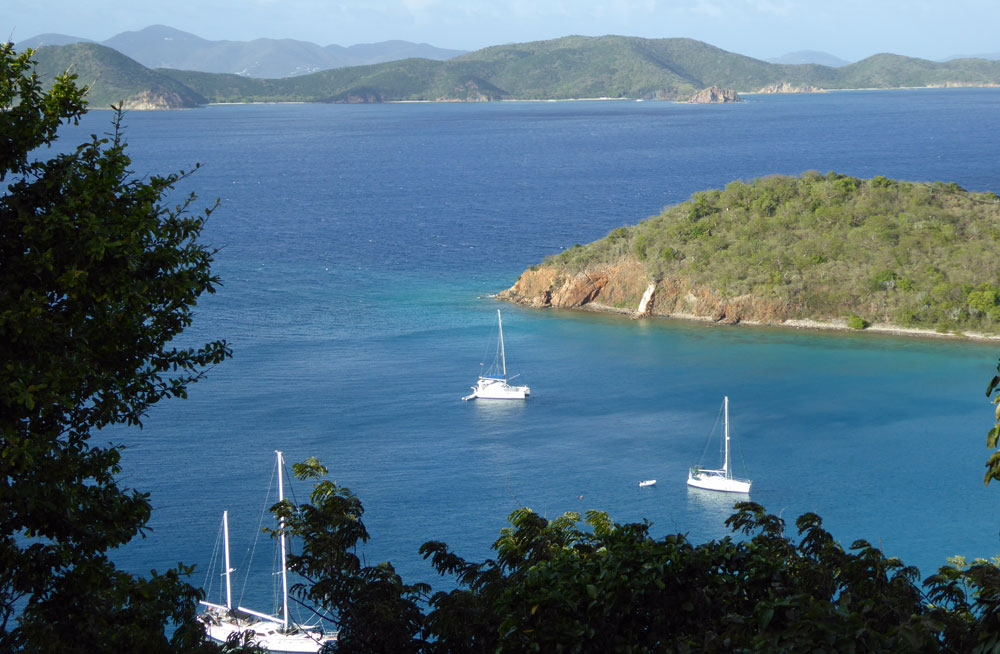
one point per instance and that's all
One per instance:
(97, 278)
(993, 437)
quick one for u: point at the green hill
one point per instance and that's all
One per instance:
(570, 67)
(888, 71)
(824, 247)
(113, 78)
(590, 67)
(566, 68)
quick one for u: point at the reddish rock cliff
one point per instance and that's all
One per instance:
(625, 286)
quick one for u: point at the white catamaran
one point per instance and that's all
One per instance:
(273, 633)
(492, 384)
(719, 480)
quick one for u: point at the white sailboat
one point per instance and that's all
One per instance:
(277, 634)
(719, 480)
(493, 384)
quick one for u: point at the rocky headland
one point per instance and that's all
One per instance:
(154, 100)
(625, 288)
(819, 250)
(714, 95)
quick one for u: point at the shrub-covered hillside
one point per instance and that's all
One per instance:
(910, 254)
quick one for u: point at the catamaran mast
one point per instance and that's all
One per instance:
(225, 536)
(281, 538)
(725, 461)
(503, 354)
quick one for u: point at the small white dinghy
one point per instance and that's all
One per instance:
(493, 384)
(647, 482)
(719, 480)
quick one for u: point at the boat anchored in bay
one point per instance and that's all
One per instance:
(493, 384)
(277, 634)
(722, 479)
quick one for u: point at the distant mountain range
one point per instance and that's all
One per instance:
(565, 68)
(809, 57)
(165, 47)
(827, 59)
(992, 56)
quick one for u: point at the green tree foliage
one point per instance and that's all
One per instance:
(559, 586)
(993, 438)
(855, 321)
(377, 612)
(985, 301)
(97, 278)
(828, 246)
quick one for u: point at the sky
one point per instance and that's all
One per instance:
(848, 29)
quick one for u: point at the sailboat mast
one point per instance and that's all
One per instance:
(225, 538)
(725, 461)
(503, 354)
(281, 538)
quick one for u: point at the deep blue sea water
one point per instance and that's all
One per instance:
(358, 245)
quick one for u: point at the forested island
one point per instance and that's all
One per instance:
(814, 250)
(571, 67)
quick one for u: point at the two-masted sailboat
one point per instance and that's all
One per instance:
(274, 633)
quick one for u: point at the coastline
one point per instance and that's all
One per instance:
(878, 328)
(617, 99)
(791, 323)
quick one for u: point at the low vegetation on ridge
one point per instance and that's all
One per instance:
(111, 77)
(828, 246)
(585, 67)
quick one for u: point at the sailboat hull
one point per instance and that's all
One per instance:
(716, 481)
(268, 636)
(492, 383)
(719, 480)
(497, 389)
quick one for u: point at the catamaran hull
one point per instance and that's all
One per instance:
(718, 483)
(492, 384)
(490, 389)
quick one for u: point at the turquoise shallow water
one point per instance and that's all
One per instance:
(358, 243)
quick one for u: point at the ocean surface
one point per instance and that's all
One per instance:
(358, 247)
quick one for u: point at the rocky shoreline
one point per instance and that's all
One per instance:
(715, 95)
(625, 289)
